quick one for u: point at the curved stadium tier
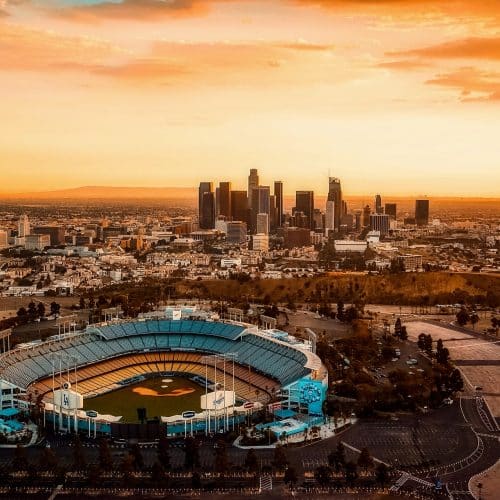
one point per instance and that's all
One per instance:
(267, 364)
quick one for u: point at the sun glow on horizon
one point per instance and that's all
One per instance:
(390, 96)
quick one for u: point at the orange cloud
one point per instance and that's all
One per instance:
(473, 84)
(26, 49)
(140, 10)
(469, 48)
(403, 65)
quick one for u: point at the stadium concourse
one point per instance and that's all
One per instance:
(244, 367)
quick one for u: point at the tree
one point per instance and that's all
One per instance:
(48, 459)
(55, 309)
(32, 311)
(336, 458)
(404, 333)
(442, 353)
(41, 309)
(20, 461)
(127, 469)
(290, 476)
(280, 461)
(221, 460)
(397, 328)
(22, 315)
(421, 341)
(157, 473)
(323, 475)
(455, 381)
(136, 453)
(462, 317)
(382, 474)
(105, 459)
(251, 461)
(191, 453)
(428, 344)
(388, 352)
(340, 310)
(474, 319)
(79, 461)
(350, 473)
(365, 461)
(164, 453)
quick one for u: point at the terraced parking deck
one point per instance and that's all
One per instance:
(477, 358)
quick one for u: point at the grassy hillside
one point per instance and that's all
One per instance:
(407, 288)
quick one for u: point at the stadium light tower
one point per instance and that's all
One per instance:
(62, 365)
(212, 360)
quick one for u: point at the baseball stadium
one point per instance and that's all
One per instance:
(195, 375)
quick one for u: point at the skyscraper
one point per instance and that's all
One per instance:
(366, 216)
(391, 209)
(278, 193)
(422, 212)
(239, 206)
(335, 195)
(329, 217)
(260, 203)
(380, 222)
(224, 201)
(253, 183)
(262, 224)
(378, 204)
(206, 205)
(23, 226)
(304, 202)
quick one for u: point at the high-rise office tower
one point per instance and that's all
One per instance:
(253, 183)
(329, 217)
(422, 212)
(23, 226)
(236, 232)
(378, 204)
(318, 219)
(278, 194)
(335, 195)
(262, 224)
(380, 222)
(206, 205)
(366, 216)
(273, 217)
(391, 209)
(260, 203)
(239, 206)
(304, 202)
(224, 199)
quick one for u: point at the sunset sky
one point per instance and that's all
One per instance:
(392, 96)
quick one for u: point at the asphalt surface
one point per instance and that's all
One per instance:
(453, 443)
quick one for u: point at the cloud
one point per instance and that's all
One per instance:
(468, 48)
(136, 10)
(472, 83)
(419, 11)
(403, 65)
(28, 49)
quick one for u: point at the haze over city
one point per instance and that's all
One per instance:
(394, 96)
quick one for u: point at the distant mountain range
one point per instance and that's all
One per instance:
(190, 196)
(106, 192)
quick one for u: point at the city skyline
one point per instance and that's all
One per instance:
(398, 97)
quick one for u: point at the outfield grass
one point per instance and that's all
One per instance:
(125, 401)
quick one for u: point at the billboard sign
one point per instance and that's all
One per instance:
(248, 405)
(217, 400)
(67, 399)
(188, 414)
(91, 414)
